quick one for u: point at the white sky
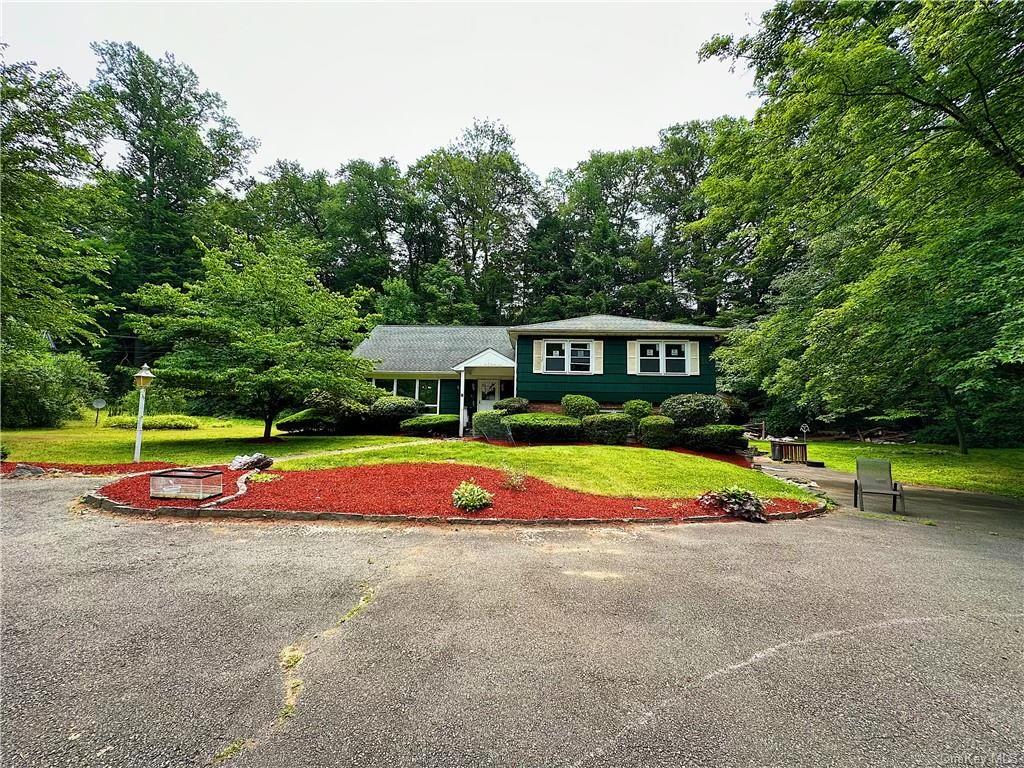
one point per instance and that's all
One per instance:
(323, 83)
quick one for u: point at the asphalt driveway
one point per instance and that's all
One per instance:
(833, 641)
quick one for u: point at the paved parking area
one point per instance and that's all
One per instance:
(838, 641)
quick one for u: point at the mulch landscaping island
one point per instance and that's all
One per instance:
(416, 491)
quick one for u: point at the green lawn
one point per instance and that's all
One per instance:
(217, 441)
(988, 470)
(606, 470)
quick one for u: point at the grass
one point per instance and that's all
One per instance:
(605, 470)
(986, 470)
(215, 442)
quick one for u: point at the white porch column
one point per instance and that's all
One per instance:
(462, 402)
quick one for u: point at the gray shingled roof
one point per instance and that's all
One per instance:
(430, 348)
(613, 324)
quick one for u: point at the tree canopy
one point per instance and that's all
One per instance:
(861, 233)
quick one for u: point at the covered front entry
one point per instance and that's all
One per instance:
(484, 379)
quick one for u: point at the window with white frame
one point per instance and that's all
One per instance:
(427, 390)
(567, 356)
(661, 358)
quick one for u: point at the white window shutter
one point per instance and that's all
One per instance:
(538, 356)
(632, 353)
(598, 363)
(693, 358)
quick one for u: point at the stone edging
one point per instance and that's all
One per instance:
(99, 501)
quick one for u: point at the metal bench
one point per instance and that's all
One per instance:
(874, 477)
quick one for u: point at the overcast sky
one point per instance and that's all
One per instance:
(324, 83)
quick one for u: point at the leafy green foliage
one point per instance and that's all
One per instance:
(490, 424)
(162, 421)
(542, 427)
(694, 410)
(471, 497)
(578, 406)
(607, 428)
(657, 431)
(432, 424)
(43, 389)
(258, 331)
(717, 438)
(53, 264)
(880, 191)
(735, 501)
(511, 405)
(637, 410)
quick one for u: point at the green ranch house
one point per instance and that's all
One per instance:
(455, 368)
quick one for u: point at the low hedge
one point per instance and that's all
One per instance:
(637, 410)
(722, 438)
(308, 420)
(512, 405)
(578, 406)
(442, 424)
(490, 424)
(542, 427)
(657, 431)
(607, 428)
(694, 410)
(162, 421)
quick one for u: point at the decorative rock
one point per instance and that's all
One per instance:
(256, 461)
(26, 470)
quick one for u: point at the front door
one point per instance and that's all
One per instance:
(487, 394)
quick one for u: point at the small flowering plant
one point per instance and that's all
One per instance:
(737, 502)
(470, 497)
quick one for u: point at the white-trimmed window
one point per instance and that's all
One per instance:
(568, 356)
(663, 358)
(427, 390)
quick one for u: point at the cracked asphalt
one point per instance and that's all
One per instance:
(837, 641)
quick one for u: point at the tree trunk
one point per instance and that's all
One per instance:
(958, 421)
(268, 425)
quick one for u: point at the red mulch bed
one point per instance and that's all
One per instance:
(422, 490)
(91, 469)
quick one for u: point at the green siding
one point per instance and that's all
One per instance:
(614, 385)
(449, 402)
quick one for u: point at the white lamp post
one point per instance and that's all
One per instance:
(142, 380)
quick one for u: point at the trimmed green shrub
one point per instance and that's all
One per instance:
(722, 438)
(694, 410)
(309, 420)
(490, 424)
(578, 406)
(637, 410)
(443, 424)
(543, 427)
(390, 411)
(4, 453)
(657, 431)
(735, 501)
(348, 414)
(511, 405)
(164, 421)
(471, 497)
(607, 428)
